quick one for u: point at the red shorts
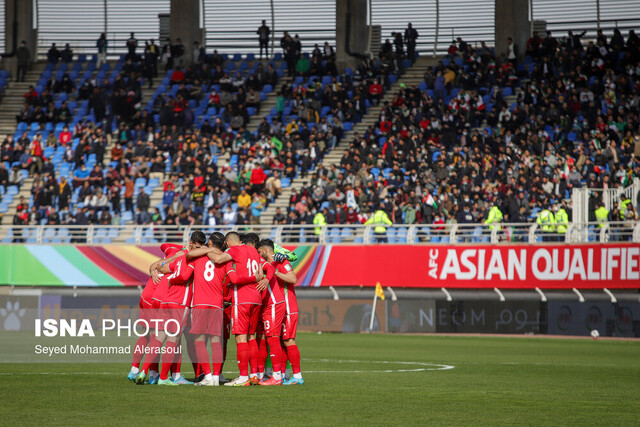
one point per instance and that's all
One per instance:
(206, 320)
(245, 318)
(174, 317)
(227, 322)
(272, 319)
(290, 326)
(146, 311)
(155, 303)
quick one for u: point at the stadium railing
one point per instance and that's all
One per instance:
(329, 234)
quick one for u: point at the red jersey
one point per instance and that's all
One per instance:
(274, 294)
(246, 262)
(290, 300)
(149, 290)
(160, 293)
(208, 281)
(160, 290)
(180, 289)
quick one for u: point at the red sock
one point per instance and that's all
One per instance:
(276, 352)
(194, 356)
(243, 358)
(154, 343)
(216, 354)
(294, 358)
(167, 358)
(263, 353)
(138, 350)
(202, 360)
(253, 356)
(283, 360)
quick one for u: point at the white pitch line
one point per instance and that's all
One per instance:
(427, 367)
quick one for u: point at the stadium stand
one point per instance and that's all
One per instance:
(97, 142)
(479, 132)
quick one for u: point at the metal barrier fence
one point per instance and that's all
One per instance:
(329, 234)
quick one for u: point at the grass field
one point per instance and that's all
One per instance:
(355, 379)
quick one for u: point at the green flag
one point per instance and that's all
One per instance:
(277, 144)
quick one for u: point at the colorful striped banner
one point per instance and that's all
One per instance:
(108, 265)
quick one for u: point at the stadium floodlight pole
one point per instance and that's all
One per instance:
(273, 28)
(435, 44)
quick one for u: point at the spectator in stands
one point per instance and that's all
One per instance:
(132, 45)
(15, 176)
(177, 54)
(279, 218)
(102, 44)
(256, 209)
(66, 55)
(244, 199)
(289, 51)
(142, 201)
(511, 54)
(23, 57)
(199, 54)
(410, 39)
(263, 38)
(53, 55)
(230, 216)
(4, 177)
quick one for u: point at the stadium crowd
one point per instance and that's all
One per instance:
(172, 136)
(456, 148)
(482, 132)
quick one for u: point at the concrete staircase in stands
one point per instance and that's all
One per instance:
(10, 106)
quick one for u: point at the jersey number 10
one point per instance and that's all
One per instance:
(252, 266)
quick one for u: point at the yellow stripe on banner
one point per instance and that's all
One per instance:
(132, 255)
(304, 260)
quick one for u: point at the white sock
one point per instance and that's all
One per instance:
(243, 378)
(135, 370)
(277, 375)
(260, 375)
(153, 374)
(298, 375)
(253, 375)
(208, 377)
(216, 377)
(176, 376)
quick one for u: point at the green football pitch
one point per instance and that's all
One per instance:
(359, 379)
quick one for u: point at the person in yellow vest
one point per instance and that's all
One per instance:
(494, 218)
(624, 201)
(602, 214)
(546, 221)
(379, 219)
(562, 223)
(319, 220)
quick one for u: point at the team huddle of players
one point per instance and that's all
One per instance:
(230, 284)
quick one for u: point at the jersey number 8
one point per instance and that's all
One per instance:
(209, 270)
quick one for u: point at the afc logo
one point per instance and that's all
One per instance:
(433, 265)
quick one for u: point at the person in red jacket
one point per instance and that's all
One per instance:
(257, 179)
(375, 91)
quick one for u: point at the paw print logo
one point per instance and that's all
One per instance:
(12, 315)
